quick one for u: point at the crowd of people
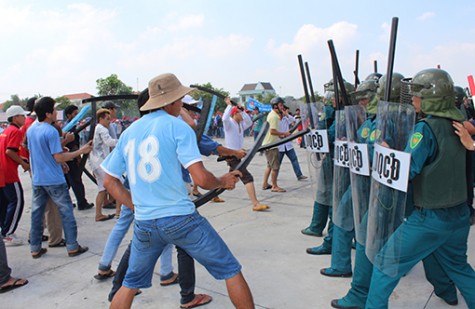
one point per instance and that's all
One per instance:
(160, 152)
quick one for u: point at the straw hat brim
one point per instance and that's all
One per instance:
(161, 100)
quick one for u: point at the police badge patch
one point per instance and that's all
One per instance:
(416, 138)
(365, 133)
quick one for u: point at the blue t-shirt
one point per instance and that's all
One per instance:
(151, 152)
(207, 147)
(43, 143)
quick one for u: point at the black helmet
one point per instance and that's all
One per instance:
(277, 100)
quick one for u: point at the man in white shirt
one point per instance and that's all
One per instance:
(235, 122)
(102, 144)
(287, 148)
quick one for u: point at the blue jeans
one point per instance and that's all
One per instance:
(60, 196)
(116, 236)
(293, 159)
(192, 233)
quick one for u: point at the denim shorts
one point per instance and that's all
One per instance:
(192, 233)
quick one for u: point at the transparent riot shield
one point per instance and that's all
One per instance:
(342, 199)
(357, 131)
(318, 156)
(389, 182)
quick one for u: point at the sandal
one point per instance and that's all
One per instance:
(38, 254)
(105, 218)
(278, 189)
(172, 280)
(62, 243)
(197, 194)
(17, 283)
(267, 187)
(199, 300)
(109, 274)
(260, 207)
(80, 250)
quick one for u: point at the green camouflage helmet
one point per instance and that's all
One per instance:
(331, 87)
(365, 90)
(459, 95)
(435, 87)
(395, 87)
(374, 76)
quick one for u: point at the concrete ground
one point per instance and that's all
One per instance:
(269, 246)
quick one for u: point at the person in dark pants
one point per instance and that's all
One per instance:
(186, 265)
(73, 177)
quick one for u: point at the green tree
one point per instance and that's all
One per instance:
(15, 100)
(207, 97)
(112, 85)
(62, 102)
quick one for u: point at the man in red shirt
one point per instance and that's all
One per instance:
(11, 192)
(30, 104)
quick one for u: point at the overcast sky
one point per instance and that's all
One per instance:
(63, 47)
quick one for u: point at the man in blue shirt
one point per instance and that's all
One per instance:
(46, 156)
(151, 151)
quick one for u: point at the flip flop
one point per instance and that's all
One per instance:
(199, 300)
(110, 205)
(16, 284)
(80, 250)
(170, 281)
(107, 217)
(39, 253)
(278, 190)
(110, 273)
(267, 187)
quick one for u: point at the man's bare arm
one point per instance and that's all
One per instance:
(67, 156)
(117, 189)
(206, 180)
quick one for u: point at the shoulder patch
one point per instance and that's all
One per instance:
(365, 133)
(375, 134)
(416, 138)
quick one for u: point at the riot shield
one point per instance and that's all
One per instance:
(389, 182)
(318, 155)
(357, 131)
(342, 200)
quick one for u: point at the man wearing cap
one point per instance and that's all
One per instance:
(151, 151)
(235, 122)
(272, 155)
(11, 194)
